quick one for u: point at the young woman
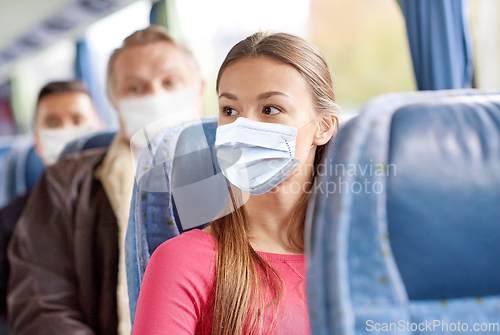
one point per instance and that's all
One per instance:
(245, 272)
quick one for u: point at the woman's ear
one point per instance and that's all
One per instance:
(326, 129)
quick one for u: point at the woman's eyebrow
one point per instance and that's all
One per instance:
(270, 94)
(228, 95)
(261, 96)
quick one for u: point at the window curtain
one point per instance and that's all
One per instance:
(164, 13)
(440, 43)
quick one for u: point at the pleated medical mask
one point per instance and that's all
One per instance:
(256, 156)
(156, 112)
(53, 141)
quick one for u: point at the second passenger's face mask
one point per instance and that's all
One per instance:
(156, 112)
(256, 156)
(53, 141)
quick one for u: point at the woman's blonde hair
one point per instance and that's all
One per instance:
(243, 279)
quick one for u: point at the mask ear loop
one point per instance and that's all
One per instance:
(305, 124)
(312, 121)
(302, 156)
(329, 128)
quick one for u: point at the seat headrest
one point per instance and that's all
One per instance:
(96, 140)
(178, 157)
(408, 215)
(179, 149)
(20, 167)
(443, 199)
(195, 173)
(34, 168)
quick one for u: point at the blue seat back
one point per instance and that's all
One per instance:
(34, 168)
(5, 145)
(20, 167)
(443, 205)
(96, 140)
(407, 229)
(153, 214)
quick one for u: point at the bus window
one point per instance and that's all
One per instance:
(365, 46)
(215, 26)
(486, 35)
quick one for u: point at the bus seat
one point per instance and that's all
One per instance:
(415, 238)
(34, 168)
(154, 217)
(5, 145)
(20, 167)
(100, 139)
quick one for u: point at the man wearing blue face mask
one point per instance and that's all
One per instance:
(67, 261)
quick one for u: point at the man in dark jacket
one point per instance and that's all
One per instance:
(67, 253)
(64, 111)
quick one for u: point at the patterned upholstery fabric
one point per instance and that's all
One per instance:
(153, 215)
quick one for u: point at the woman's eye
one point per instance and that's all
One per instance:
(228, 111)
(269, 110)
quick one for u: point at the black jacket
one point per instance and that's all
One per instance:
(9, 215)
(64, 254)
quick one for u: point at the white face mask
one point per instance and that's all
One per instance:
(53, 141)
(148, 115)
(256, 156)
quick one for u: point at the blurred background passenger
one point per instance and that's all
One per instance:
(64, 112)
(66, 255)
